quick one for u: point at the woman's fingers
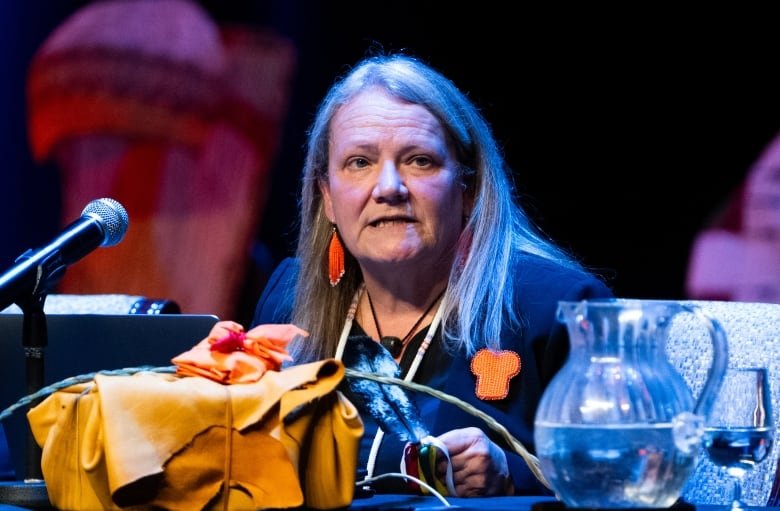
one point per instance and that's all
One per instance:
(479, 466)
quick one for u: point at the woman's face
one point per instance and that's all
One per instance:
(393, 188)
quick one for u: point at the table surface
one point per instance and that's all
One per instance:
(417, 503)
(412, 502)
(429, 503)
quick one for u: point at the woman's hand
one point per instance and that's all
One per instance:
(479, 466)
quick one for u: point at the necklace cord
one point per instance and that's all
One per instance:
(388, 341)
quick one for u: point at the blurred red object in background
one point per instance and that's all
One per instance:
(153, 104)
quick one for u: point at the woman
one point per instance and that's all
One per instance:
(409, 233)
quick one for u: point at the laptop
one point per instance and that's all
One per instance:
(85, 343)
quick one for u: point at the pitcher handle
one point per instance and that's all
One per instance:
(720, 359)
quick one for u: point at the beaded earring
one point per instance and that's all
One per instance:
(335, 259)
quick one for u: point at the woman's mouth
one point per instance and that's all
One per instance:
(391, 221)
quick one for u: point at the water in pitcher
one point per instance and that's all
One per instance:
(618, 426)
(628, 465)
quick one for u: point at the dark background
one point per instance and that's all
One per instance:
(626, 130)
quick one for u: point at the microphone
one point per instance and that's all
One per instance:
(103, 223)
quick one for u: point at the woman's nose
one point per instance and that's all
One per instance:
(390, 185)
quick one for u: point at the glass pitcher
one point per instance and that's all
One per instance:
(617, 426)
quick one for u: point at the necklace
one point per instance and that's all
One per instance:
(392, 343)
(418, 357)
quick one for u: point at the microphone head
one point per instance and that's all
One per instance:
(112, 216)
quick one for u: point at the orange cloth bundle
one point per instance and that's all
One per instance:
(158, 441)
(230, 355)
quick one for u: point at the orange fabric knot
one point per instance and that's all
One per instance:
(233, 341)
(493, 370)
(230, 355)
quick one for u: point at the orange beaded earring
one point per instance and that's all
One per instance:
(335, 259)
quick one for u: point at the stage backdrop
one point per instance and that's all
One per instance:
(155, 105)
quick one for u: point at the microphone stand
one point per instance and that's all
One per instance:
(31, 491)
(34, 339)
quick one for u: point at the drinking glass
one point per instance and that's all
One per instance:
(739, 431)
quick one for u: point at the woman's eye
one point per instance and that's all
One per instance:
(358, 163)
(421, 161)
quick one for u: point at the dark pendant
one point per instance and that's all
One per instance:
(392, 344)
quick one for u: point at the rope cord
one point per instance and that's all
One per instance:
(75, 380)
(422, 483)
(531, 460)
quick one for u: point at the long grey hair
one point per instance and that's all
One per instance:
(480, 288)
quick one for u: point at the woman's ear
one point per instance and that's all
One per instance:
(327, 201)
(468, 201)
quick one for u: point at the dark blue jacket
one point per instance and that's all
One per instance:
(540, 341)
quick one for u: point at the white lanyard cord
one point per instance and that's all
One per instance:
(418, 357)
